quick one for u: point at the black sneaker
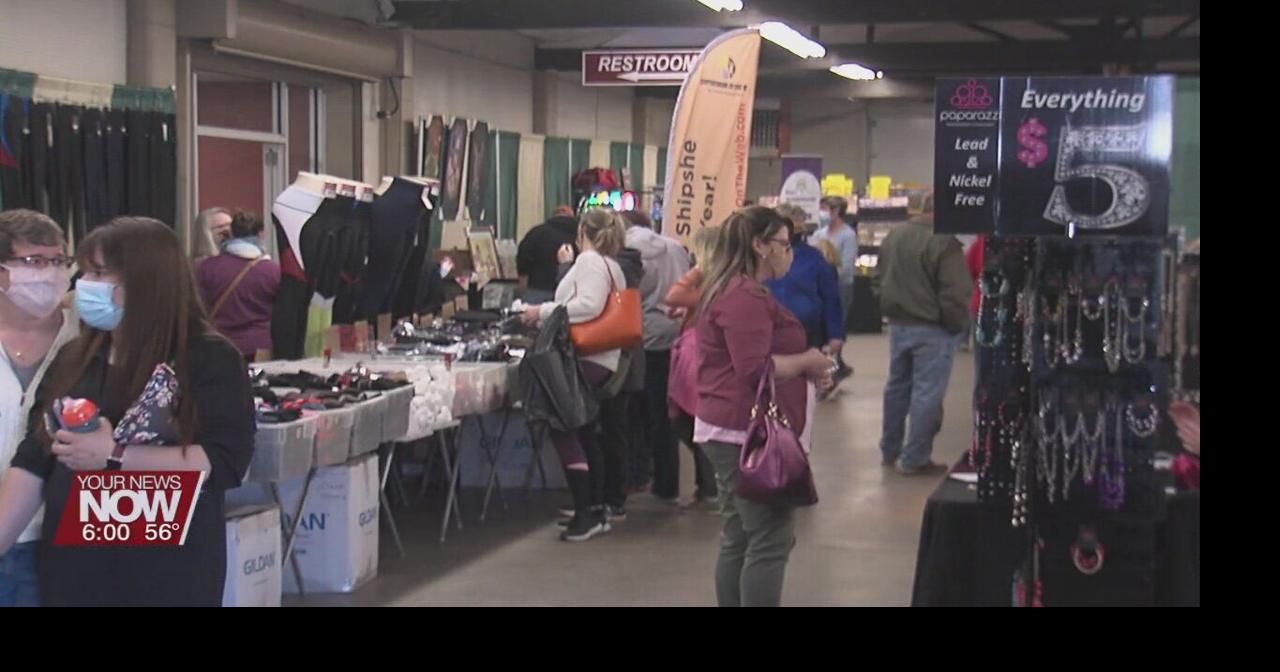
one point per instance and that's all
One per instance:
(583, 529)
(615, 514)
(567, 511)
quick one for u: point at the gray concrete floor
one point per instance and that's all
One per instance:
(857, 547)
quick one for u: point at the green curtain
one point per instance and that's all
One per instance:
(556, 190)
(17, 83)
(23, 85)
(1184, 197)
(637, 168)
(508, 171)
(618, 154)
(139, 98)
(579, 156)
(489, 216)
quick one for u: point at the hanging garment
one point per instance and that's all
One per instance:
(353, 258)
(290, 312)
(163, 149)
(93, 139)
(37, 137)
(397, 219)
(66, 176)
(117, 194)
(13, 119)
(137, 158)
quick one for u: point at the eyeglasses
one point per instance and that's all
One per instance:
(785, 243)
(40, 262)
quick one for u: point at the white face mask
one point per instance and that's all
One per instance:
(37, 292)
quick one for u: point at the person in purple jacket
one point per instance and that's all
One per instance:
(239, 287)
(741, 328)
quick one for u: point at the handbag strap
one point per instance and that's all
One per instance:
(226, 294)
(762, 401)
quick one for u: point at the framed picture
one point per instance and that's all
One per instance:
(484, 253)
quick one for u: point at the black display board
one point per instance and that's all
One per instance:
(1054, 155)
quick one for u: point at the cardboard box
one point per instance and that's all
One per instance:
(254, 556)
(337, 539)
(516, 456)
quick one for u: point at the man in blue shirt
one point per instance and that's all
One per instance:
(841, 230)
(810, 289)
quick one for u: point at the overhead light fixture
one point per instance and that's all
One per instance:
(723, 5)
(792, 40)
(856, 72)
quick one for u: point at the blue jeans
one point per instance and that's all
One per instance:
(919, 371)
(18, 585)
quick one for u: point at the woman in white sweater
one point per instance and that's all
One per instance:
(34, 276)
(583, 292)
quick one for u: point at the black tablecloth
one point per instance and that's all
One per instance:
(968, 554)
(865, 316)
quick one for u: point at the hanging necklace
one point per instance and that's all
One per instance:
(1111, 350)
(1071, 455)
(1018, 460)
(1142, 427)
(1002, 313)
(1111, 492)
(1051, 324)
(1130, 320)
(1047, 465)
(1093, 440)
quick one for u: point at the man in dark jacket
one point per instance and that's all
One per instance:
(536, 259)
(924, 289)
(621, 417)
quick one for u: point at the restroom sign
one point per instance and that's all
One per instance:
(637, 67)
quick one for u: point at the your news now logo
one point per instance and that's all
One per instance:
(135, 509)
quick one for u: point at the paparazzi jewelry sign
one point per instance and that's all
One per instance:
(1054, 155)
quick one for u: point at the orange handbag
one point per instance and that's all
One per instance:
(620, 326)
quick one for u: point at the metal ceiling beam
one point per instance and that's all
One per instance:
(952, 56)
(1191, 20)
(996, 55)
(547, 14)
(989, 32)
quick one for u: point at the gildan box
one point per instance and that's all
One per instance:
(336, 542)
(254, 553)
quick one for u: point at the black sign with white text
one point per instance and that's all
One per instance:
(1084, 155)
(966, 160)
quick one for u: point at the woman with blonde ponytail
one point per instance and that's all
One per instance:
(583, 292)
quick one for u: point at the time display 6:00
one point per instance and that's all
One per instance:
(122, 532)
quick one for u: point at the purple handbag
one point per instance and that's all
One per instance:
(773, 468)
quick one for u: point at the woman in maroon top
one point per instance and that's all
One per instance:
(239, 287)
(740, 329)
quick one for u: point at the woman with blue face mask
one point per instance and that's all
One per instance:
(33, 328)
(138, 301)
(239, 287)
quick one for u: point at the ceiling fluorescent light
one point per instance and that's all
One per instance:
(790, 39)
(723, 5)
(854, 71)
